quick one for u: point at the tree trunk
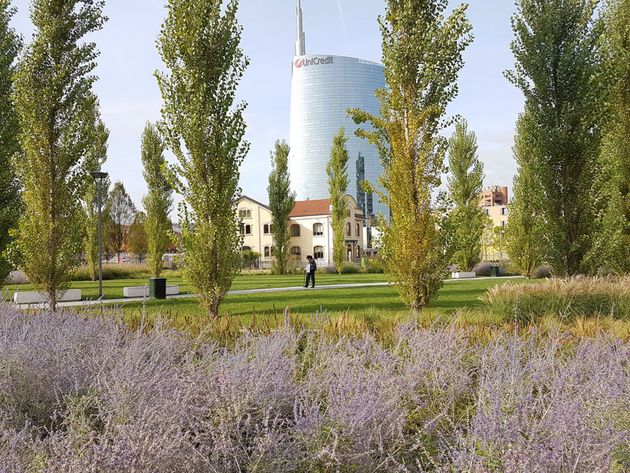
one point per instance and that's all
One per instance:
(213, 312)
(52, 300)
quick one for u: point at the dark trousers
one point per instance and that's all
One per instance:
(310, 277)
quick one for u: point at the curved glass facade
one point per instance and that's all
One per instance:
(323, 89)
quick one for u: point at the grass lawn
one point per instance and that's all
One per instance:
(384, 300)
(113, 289)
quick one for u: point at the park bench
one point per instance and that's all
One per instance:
(34, 297)
(463, 275)
(143, 291)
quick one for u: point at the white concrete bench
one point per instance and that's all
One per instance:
(464, 275)
(143, 291)
(34, 297)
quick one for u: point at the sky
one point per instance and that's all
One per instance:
(130, 97)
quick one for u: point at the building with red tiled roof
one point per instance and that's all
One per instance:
(310, 229)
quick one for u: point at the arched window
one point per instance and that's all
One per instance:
(267, 252)
(295, 230)
(245, 213)
(318, 252)
(358, 229)
(348, 229)
(318, 229)
(266, 229)
(248, 229)
(296, 251)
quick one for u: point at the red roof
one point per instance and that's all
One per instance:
(310, 208)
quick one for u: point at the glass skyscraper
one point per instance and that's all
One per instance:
(323, 88)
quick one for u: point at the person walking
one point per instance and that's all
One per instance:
(310, 269)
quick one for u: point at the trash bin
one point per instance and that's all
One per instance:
(157, 288)
(494, 271)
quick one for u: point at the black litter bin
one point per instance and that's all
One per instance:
(494, 271)
(157, 288)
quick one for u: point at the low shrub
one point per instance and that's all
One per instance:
(114, 271)
(542, 272)
(564, 298)
(82, 395)
(483, 269)
(350, 268)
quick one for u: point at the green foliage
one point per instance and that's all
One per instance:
(525, 231)
(199, 44)
(57, 115)
(465, 184)
(422, 54)
(158, 201)
(612, 245)
(137, 240)
(337, 170)
(121, 213)
(558, 71)
(281, 202)
(9, 130)
(249, 259)
(95, 159)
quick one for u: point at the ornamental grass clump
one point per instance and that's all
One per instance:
(79, 394)
(565, 298)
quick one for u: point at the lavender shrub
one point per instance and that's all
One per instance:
(80, 395)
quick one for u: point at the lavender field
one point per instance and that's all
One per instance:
(87, 395)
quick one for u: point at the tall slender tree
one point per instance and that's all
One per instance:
(422, 54)
(465, 184)
(159, 200)
(202, 125)
(9, 130)
(557, 69)
(281, 202)
(95, 159)
(55, 104)
(612, 244)
(337, 170)
(121, 213)
(525, 230)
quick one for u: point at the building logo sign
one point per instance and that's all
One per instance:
(316, 61)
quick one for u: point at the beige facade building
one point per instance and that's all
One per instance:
(494, 202)
(312, 234)
(256, 228)
(310, 228)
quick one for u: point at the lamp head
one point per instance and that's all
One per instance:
(99, 175)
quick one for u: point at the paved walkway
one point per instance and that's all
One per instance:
(243, 292)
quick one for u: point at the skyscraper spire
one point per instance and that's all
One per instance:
(300, 44)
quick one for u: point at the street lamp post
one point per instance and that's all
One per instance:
(99, 176)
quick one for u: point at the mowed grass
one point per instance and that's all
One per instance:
(113, 289)
(455, 295)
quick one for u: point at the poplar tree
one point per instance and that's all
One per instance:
(9, 130)
(612, 244)
(200, 46)
(337, 170)
(465, 184)
(158, 201)
(281, 203)
(96, 157)
(525, 228)
(557, 69)
(55, 105)
(422, 54)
